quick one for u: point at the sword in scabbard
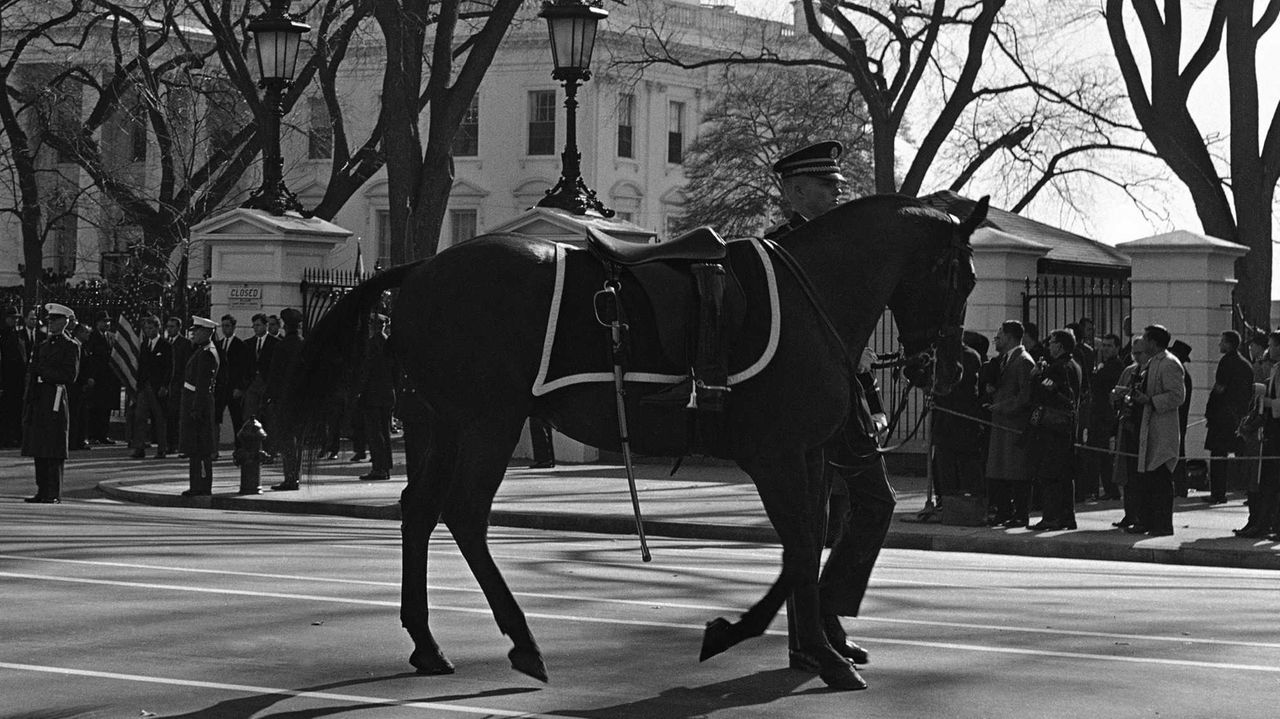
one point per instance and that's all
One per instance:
(610, 295)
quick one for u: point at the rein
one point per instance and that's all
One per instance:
(789, 261)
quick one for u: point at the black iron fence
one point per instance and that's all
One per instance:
(894, 387)
(88, 298)
(321, 290)
(1053, 301)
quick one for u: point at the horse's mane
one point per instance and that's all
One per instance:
(903, 205)
(861, 212)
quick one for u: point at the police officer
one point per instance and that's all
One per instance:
(811, 183)
(46, 418)
(197, 427)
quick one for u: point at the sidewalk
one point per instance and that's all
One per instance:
(702, 502)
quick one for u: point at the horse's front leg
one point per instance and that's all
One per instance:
(788, 491)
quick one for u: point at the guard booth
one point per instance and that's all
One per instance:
(565, 227)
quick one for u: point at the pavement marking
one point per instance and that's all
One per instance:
(300, 693)
(699, 627)
(653, 604)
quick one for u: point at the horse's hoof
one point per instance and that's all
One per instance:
(843, 678)
(430, 663)
(528, 661)
(717, 638)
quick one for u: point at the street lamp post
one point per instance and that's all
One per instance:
(572, 25)
(277, 37)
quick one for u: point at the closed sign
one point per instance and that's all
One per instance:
(245, 296)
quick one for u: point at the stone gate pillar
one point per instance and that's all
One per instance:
(1002, 263)
(1183, 280)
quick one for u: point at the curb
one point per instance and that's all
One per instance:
(902, 535)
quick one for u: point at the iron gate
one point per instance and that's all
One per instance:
(321, 290)
(1053, 301)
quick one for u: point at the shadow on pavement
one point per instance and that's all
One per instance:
(692, 702)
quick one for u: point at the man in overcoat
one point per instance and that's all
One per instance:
(180, 349)
(260, 348)
(1102, 419)
(1159, 438)
(198, 430)
(101, 387)
(13, 375)
(30, 334)
(233, 375)
(155, 364)
(283, 362)
(957, 440)
(376, 396)
(46, 420)
(1008, 475)
(1228, 402)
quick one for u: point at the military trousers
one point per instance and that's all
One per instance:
(49, 477)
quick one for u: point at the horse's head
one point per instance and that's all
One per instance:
(929, 303)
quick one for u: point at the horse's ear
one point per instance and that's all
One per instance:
(976, 217)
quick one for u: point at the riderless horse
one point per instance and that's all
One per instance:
(471, 333)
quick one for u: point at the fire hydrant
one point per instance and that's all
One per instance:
(250, 455)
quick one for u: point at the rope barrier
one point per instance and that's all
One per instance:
(1101, 450)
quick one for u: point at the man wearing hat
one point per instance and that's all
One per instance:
(811, 183)
(283, 362)
(13, 371)
(376, 396)
(197, 430)
(46, 420)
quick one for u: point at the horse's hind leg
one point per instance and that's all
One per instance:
(788, 487)
(481, 465)
(429, 459)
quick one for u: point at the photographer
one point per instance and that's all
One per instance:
(1055, 386)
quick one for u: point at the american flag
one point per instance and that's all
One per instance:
(124, 354)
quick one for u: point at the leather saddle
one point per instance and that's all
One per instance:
(698, 304)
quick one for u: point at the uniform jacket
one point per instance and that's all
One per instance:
(795, 220)
(197, 431)
(180, 349)
(234, 365)
(377, 375)
(46, 419)
(1228, 401)
(1011, 412)
(260, 359)
(1160, 436)
(155, 366)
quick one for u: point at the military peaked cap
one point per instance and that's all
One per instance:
(203, 322)
(821, 160)
(56, 310)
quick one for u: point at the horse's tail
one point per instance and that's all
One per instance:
(316, 390)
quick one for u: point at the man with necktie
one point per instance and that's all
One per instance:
(180, 349)
(233, 376)
(155, 363)
(261, 348)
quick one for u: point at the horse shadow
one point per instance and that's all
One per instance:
(757, 689)
(252, 705)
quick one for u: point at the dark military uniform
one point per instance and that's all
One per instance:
(795, 220)
(197, 429)
(46, 419)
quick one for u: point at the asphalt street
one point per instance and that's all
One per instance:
(114, 610)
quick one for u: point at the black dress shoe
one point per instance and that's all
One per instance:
(285, 486)
(42, 500)
(1045, 526)
(1135, 529)
(542, 465)
(332, 455)
(1015, 523)
(1124, 523)
(840, 642)
(196, 493)
(358, 457)
(105, 441)
(1252, 533)
(374, 477)
(1215, 500)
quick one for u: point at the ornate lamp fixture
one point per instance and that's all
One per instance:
(572, 26)
(277, 36)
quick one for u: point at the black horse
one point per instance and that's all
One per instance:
(469, 329)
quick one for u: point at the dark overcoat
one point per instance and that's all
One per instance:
(97, 367)
(1229, 400)
(957, 433)
(1010, 413)
(180, 349)
(377, 375)
(197, 430)
(1051, 453)
(46, 419)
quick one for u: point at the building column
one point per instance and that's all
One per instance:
(1002, 263)
(1183, 280)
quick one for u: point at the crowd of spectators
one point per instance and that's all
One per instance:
(1049, 422)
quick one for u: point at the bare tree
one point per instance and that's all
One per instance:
(1234, 200)
(967, 85)
(757, 117)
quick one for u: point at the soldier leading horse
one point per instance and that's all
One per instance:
(469, 332)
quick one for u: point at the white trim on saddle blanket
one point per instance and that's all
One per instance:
(541, 386)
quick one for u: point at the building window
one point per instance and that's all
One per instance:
(626, 124)
(467, 142)
(462, 225)
(675, 132)
(384, 238)
(542, 122)
(319, 130)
